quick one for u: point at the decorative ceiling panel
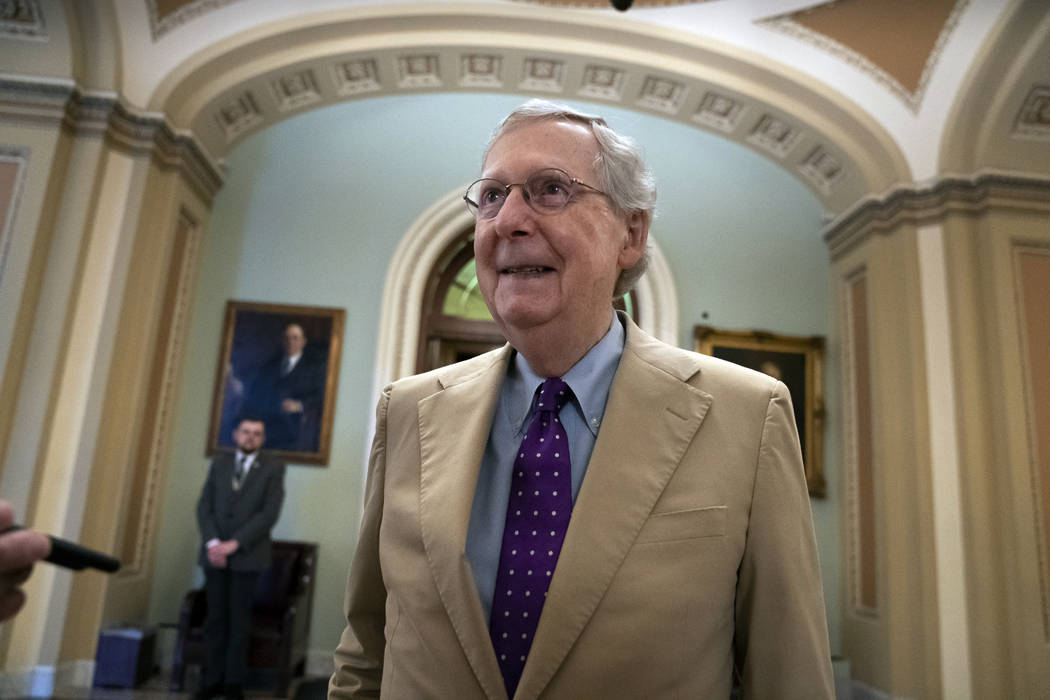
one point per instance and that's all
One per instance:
(720, 112)
(896, 41)
(22, 19)
(1033, 121)
(543, 75)
(165, 15)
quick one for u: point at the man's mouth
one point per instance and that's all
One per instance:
(526, 270)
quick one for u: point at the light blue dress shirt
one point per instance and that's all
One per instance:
(589, 379)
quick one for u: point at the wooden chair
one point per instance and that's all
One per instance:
(280, 620)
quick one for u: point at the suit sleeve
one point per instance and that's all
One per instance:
(206, 508)
(258, 526)
(781, 642)
(359, 656)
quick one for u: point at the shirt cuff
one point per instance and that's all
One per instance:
(212, 542)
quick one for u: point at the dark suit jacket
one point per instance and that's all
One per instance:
(690, 548)
(306, 384)
(246, 515)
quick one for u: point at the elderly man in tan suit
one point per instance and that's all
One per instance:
(586, 512)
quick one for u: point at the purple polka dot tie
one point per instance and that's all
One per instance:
(537, 517)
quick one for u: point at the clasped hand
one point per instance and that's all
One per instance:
(218, 553)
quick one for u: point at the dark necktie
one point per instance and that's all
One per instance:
(239, 472)
(537, 517)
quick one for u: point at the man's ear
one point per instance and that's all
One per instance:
(635, 241)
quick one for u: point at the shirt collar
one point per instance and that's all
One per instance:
(589, 379)
(247, 462)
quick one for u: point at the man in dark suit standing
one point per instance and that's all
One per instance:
(288, 394)
(238, 507)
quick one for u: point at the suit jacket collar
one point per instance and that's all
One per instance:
(651, 417)
(228, 463)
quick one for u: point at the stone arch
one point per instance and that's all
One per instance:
(1009, 131)
(257, 78)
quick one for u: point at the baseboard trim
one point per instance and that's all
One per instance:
(79, 673)
(38, 682)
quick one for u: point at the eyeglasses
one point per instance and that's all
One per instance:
(547, 191)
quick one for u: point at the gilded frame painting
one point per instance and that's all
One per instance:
(798, 361)
(278, 363)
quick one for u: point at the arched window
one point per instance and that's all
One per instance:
(455, 324)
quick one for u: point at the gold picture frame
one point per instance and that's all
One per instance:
(798, 361)
(295, 399)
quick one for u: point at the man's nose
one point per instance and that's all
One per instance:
(515, 216)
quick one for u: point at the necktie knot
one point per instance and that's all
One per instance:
(553, 394)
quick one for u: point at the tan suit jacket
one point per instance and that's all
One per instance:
(690, 545)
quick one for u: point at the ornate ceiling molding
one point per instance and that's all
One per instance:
(22, 19)
(160, 23)
(1033, 120)
(230, 117)
(64, 105)
(930, 201)
(809, 130)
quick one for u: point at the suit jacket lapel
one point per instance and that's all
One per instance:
(224, 475)
(251, 477)
(453, 430)
(650, 419)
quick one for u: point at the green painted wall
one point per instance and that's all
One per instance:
(312, 212)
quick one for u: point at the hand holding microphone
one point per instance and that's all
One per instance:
(21, 548)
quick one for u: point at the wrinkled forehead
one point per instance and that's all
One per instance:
(526, 148)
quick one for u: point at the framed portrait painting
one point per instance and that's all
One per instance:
(278, 363)
(798, 361)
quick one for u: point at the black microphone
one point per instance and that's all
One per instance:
(74, 556)
(622, 5)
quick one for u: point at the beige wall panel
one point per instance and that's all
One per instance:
(48, 419)
(46, 152)
(864, 636)
(999, 438)
(976, 363)
(121, 490)
(20, 291)
(893, 647)
(151, 464)
(1033, 272)
(864, 560)
(10, 177)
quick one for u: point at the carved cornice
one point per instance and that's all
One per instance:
(64, 105)
(927, 202)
